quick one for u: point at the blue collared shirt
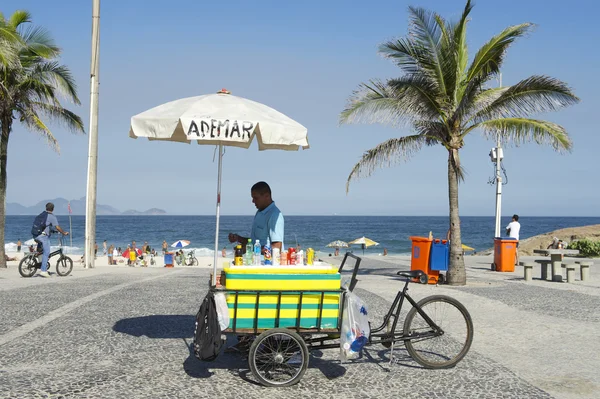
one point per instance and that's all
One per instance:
(268, 223)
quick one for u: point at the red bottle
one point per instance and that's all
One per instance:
(291, 256)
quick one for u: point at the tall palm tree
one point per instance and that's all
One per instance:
(444, 98)
(31, 80)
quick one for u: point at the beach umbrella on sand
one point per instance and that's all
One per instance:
(220, 119)
(125, 253)
(337, 244)
(180, 244)
(364, 242)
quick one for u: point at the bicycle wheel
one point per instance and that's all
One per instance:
(278, 358)
(28, 266)
(194, 261)
(64, 266)
(448, 345)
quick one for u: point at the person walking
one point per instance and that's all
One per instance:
(512, 230)
(19, 245)
(47, 226)
(110, 253)
(164, 247)
(104, 250)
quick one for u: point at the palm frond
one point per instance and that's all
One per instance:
(434, 132)
(385, 154)
(393, 103)
(425, 30)
(34, 123)
(530, 96)
(522, 130)
(404, 53)
(461, 53)
(19, 18)
(58, 76)
(38, 42)
(490, 56)
(61, 115)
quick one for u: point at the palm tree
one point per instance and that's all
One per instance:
(31, 79)
(444, 98)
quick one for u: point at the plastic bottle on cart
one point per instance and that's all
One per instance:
(291, 256)
(284, 258)
(300, 257)
(249, 251)
(267, 252)
(239, 257)
(257, 253)
(276, 256)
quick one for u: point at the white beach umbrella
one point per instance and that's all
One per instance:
(223, 120)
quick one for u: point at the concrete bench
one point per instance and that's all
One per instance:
(545, 263)
(584, 266)
(528, 269)
(570, 267)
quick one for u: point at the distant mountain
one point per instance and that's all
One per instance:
(77, 207)
(152, 211)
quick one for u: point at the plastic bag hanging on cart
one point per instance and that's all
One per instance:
(222, 310)
(207, 333)
(355, 327)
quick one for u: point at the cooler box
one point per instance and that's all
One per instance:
(293, 278)
(505, 250)
(168, 259)
(419, 258)
(440, 255)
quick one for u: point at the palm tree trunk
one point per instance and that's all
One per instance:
(456, 268)
(6, 126)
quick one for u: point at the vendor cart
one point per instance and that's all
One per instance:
(288, 323)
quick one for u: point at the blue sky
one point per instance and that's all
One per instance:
(303, 59)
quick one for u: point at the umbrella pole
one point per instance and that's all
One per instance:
(214, 279)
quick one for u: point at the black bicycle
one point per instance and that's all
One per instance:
(437, 331)
(33, 261)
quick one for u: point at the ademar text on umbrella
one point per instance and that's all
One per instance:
(213, 128)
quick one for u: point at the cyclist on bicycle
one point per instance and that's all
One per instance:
(44, 238)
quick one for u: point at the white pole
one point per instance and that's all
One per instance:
(214, 279)
(90, 214)
(498, 180)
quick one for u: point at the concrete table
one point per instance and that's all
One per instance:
(556, 256)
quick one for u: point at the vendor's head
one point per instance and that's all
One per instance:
(261, 195)
(515, 218)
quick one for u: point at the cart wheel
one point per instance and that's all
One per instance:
(278, 358)
(423, 279)
(444, 343)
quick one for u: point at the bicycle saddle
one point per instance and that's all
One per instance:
(410, 273)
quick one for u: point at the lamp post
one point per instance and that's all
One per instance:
(92, 178)
(497, 155)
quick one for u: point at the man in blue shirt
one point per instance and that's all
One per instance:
(44, 238)
(268, 221)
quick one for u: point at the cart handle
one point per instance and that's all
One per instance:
(354, 280)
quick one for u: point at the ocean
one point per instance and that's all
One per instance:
(391, 232)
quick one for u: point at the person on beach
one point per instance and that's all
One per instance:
(144, 247)
(132, 257)
(268, 220)
(512, 230)
(95, 250)
(120, 251)
(224, 252)
(9, 258)
(44, 238)
(164, 247)
(337, 251)
(110, 253)
(19, 245)
(104, 248)
(115, 255)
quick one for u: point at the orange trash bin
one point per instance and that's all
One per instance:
(419, 258)
(505, 250)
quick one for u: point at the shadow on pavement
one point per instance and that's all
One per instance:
(158, 326)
